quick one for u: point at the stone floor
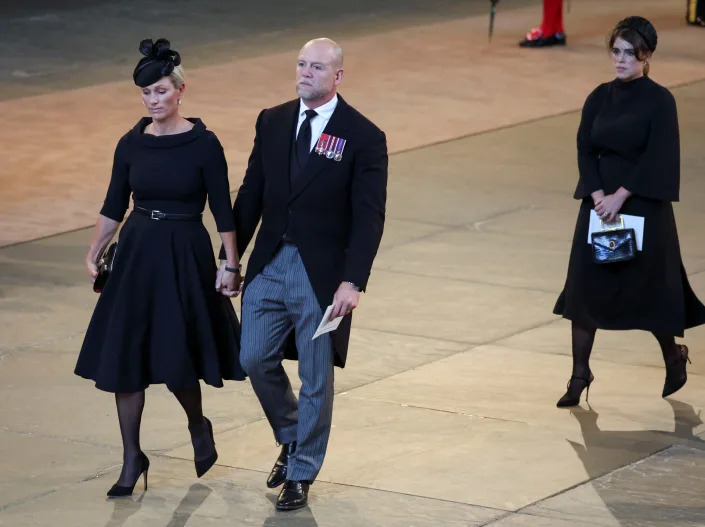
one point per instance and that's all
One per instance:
(446, 412)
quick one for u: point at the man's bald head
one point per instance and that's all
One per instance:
(319, 70)
(324, 45)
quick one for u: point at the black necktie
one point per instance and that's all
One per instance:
(303, 140)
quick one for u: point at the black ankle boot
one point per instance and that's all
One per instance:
(576, 385)
(676, 374)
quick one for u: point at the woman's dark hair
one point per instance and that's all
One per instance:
(640, 33)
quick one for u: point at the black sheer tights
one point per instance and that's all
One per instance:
(583, 339)
(670, 351)
(129, 410)
(190, 400)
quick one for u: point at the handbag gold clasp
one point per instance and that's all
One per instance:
(621, 225)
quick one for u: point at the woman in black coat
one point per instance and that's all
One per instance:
(160, 317)
(629, 162)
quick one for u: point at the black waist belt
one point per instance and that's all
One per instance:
(159, 215)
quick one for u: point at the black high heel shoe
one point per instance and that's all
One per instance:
(676, 374)
(576, 385)
(118, 491)
(204, 465)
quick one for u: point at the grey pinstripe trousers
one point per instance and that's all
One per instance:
(280, 298)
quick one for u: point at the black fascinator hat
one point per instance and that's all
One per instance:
(641, 27)
(158, 61)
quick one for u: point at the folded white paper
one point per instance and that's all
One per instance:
(327, 325)
(630, 222)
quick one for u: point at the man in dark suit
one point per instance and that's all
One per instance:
(316, 178)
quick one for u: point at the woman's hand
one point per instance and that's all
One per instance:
(608, 207)
(597, 196)
(92, 267)
(105, 229)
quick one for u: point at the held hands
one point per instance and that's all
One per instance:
(227, 283)
(345, 300)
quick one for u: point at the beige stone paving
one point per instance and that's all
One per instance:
(445, 414)
(633, 496)
(55, 168)
(235, 497)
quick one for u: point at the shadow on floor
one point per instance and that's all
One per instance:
(656, 492)
(194, 498)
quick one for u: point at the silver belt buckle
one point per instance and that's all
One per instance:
(157, 215)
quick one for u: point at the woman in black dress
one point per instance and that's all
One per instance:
(629, 162)
(160, 317)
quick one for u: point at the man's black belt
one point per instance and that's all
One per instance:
(159, 215)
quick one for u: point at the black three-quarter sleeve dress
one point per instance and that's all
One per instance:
(628, 136)
(159, 318)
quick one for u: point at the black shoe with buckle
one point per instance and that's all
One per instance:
(278, 474)
(293, 496)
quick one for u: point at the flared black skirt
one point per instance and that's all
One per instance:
(159, 319)
(650, 292)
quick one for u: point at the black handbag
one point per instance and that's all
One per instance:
(105, 267)
(613, 245)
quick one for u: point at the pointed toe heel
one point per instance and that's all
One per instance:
(204, 465)
(119, 491)
(575, 388)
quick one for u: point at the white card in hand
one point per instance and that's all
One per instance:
(327, 325)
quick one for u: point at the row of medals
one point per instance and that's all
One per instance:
(330, 146)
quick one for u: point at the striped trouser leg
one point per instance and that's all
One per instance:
(315, 371)
(265, 325)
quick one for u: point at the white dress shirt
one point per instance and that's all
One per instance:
(319, 122)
